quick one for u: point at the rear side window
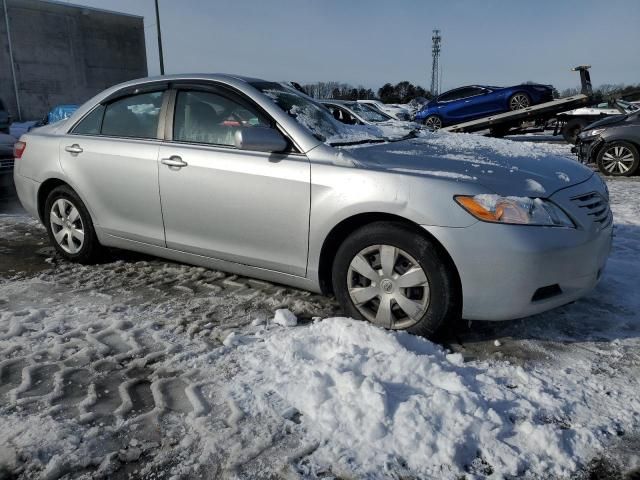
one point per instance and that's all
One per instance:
(135, 116)
(205, 117)
(92, 123)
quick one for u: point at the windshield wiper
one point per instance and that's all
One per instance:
(358, 142)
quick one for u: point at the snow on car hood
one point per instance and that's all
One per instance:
(503, 166)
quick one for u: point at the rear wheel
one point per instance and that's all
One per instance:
(519, 101)
(433, 122)
(69, 226)
(619, 159)
(391, 276)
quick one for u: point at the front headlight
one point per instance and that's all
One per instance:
(514, 210)
(594, 132)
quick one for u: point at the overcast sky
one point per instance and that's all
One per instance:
(370, 42)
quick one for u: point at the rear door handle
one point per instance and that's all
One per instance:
(74, 149)
(174, 161)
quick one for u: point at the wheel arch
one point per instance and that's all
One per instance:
(608, 141)
(347, 226)
(43, 192)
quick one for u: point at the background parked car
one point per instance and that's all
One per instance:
(57, 113)
(6, 153)
(5, 118)
(579, 118)
(475, 101)
(612, 143)
(396, 111)
(357, 113)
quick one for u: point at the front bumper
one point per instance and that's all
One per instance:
(513, 271)
(586, 149)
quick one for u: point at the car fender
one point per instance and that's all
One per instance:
(341, 193)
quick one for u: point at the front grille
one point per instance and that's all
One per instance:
(596, 207)
(6, 163)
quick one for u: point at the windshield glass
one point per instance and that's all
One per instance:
(318, 120)
(370, 114)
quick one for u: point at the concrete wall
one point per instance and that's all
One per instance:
(66, 54)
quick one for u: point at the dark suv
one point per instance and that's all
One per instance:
(612, 143)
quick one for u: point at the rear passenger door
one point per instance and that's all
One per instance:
(111, 159)
(242, 206)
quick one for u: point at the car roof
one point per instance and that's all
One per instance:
(194, 76)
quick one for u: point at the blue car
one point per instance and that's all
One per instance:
(476, 101)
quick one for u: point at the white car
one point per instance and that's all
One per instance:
(397, 112)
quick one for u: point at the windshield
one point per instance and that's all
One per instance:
(370, 114)
(318, 120)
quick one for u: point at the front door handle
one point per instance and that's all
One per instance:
(74, 149)
(174, 161)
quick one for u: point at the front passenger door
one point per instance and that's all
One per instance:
(247, 207)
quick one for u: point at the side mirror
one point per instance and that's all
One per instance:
(260, 139)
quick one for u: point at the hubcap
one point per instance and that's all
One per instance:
(388, 286)
(518, 102)
(434, 123)
(617, 160)
(66, 225)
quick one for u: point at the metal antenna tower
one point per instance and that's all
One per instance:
(435, 73)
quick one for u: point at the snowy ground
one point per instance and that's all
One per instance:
(141, 368)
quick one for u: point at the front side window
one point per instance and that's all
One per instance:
(135, 116)
(212, 118)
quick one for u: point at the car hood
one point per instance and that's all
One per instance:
(502, 166)
(605, 122)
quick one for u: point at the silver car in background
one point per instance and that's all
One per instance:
(255, 178)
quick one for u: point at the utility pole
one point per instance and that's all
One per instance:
(159, 39)
(435, 53)
(11, 61)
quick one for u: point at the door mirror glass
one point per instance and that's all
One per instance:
(260, 139)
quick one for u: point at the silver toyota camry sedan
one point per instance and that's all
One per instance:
(255, 178)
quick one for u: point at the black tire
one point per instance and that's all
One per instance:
(444, 296)
(572, 129)
(499, 131)
(433, 122)
(90, 251)
(625, 149)
(526, 101)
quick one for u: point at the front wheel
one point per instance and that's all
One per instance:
(619, 159)
(391, 276)
(69, 226)
(433, 122)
